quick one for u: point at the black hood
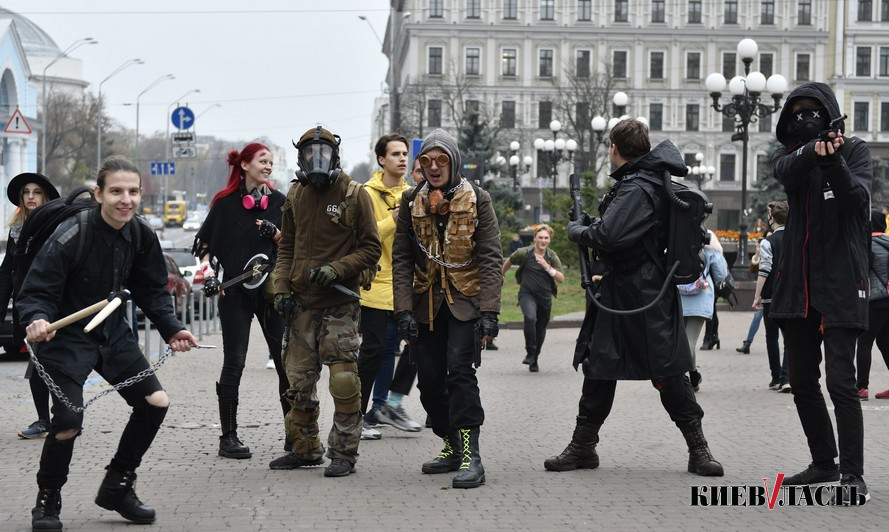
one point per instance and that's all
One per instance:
(816, 91)
(664, 156)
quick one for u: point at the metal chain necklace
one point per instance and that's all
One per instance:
(57, 391)
(434, 258)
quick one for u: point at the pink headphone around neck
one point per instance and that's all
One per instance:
(256, 200)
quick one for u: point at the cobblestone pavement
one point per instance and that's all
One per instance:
(641, 483)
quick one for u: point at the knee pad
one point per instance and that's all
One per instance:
(345, 387)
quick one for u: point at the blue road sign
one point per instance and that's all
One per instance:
(415, 150)
(183, 118)
(163, 168)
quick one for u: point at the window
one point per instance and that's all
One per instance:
(859, 116)
(692, 117)
(545, 69)
(473, 8)
(802, 67)
(767, 12)
(656, 65)
(582, 70)
(508, 62)
(763, 166)
(547, 9)
(510, 9)
(618, 110)
(507, 114)
(693, 65)
(884, 117)
(436, 8)
(582, 114)
(765, 124)
(729, 64)
(435, 60)
(728, 123)
(766, 64)
(585, 10)
(542, 163)
(433, 113)
(544, 114)
(472, 106)
(727, 167)
(731, 12)
(804, 13)
(865, 10)
(656, 116)
(621, 10)
(884, 11)
(694, 11)
(862, 61)
(884, 61)
(473, 63)
(658, 11)
(619, 64)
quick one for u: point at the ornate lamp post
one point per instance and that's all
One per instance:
(746, 108)
(557, 150)
(701, 172)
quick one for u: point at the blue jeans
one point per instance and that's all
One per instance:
(754, 326)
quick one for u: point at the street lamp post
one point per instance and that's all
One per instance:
(214, 106)
(159, 80)
(557, 150)
(514, 162)
(76, 44)
(745, 108)
(100, 120)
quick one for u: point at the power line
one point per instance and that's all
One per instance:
(203, 12)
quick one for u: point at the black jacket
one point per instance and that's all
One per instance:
(53, 290)
(651, 344)
(824, 261)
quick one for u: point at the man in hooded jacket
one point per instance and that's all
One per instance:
(629, 238)
(821, 285)
(446, 261)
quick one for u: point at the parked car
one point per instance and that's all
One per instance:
(189, 266)
(177, 285)
(193, 222)
(156, 222)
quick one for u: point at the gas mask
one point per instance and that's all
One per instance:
(806, 124)
(318, 159)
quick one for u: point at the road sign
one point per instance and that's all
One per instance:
(183, 118)
(163, 168)
(415, 150)
(182, 152)
(17, 124)
(182, 137)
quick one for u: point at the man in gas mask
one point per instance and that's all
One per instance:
(821, 283)
(328, 239)
(446, 261)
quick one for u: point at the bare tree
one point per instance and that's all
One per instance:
(70, 138)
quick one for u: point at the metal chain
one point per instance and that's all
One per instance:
(436, 260)
(57, 391)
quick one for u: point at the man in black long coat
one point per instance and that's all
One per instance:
(629, 238)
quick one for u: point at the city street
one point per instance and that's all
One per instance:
(642, 482)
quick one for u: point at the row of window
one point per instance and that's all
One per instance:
(694, 10)
(864, 61)
(620, 67)
(867, 10)
(860, 116)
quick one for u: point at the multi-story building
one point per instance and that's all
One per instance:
(522, 60)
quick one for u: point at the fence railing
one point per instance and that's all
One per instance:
(197, 312)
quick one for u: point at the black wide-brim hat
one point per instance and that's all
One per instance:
(14, 189)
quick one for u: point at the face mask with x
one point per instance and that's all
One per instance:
(805, 124)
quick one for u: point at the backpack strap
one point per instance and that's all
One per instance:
(82, 236)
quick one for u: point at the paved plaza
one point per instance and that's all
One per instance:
(642, 482)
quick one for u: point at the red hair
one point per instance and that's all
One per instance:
(237, 174)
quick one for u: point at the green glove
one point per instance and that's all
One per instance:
(280, 299)
(323, 275)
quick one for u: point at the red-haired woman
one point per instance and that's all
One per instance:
(242, 223)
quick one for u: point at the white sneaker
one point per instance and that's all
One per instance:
(370, 433)
(270, 364)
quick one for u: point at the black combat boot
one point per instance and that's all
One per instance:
(45, 515)
(471, 473)
(116, 494)
(447, 460)
(581, 450)
(229, 444)
(700, 461)
(745, 348)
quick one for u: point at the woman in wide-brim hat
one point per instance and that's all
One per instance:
(26, 191)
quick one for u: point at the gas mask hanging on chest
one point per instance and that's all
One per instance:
(318, 158)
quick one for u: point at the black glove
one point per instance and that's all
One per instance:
(576, 229)
(267, 229)
(211, 286)
(323, 275)
(280, 299)
(407, 325)
(585, 218)
(487, 324)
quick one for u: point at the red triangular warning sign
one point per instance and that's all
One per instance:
(17, 124)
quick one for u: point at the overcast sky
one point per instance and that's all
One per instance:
(277, 67)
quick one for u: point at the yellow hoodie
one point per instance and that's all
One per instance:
(384, 200)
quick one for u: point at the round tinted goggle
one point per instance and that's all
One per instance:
(441, 160)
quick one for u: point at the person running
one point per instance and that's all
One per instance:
(27, 192)
(538, 274)
(53, 289)
(242, 228)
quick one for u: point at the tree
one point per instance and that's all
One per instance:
(767, 189)
(71, 123)
(478, 138)
(361, 172)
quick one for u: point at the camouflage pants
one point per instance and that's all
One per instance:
(326, 336)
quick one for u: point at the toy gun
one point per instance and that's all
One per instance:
(586, 280)
(831, 128)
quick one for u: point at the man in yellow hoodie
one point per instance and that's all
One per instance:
(380, 338)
